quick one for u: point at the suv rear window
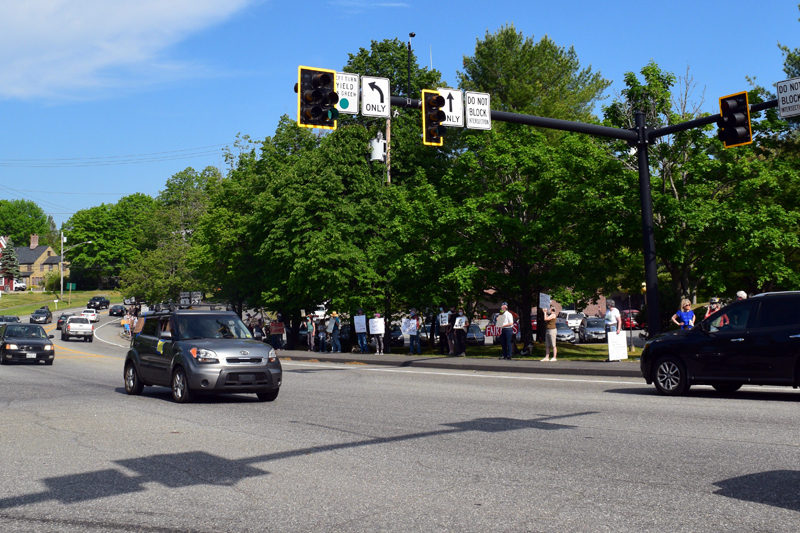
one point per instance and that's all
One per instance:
(78, 320)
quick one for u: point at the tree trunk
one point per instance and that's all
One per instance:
(387, 334)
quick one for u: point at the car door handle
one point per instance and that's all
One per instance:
(794, 336)
(737, 340)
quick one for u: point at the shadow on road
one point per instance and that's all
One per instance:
(187, 469)
(708, 392)
(779, 488)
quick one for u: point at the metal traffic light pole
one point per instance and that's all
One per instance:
(640, 137)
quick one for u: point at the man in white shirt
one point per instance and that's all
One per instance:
(613, 318)
(505, 321)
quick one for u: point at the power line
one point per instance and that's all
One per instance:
(120, 156)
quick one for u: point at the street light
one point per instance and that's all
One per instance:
(61, 265)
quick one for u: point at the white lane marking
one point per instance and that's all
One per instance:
(105, 341)
(473, 375)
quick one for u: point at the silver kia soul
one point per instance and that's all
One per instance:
(200, 351)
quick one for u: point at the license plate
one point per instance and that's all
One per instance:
(30, 355)
(247, 377)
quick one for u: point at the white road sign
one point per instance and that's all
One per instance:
(347, 89)
(789, 98)
(375, 97)
(478, 111)
(453, 107)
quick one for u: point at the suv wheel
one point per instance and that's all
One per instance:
(133, 384)
(180, 387)
(727, 388)
(268, 396)
(670, 377)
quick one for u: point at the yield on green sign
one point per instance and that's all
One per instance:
(347, 86)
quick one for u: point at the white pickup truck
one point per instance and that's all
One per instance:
(77, 326)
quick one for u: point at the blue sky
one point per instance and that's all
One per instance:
(171, 82)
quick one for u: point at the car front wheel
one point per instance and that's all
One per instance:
(180, 387)
(670, 376)
(133, 385)
(269, 396)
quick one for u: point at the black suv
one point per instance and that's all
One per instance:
(193, 351)
(41, 316)
(754, 341)
(98, 302)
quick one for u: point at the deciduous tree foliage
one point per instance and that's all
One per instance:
(19, 219)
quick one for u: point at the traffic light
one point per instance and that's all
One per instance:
(734, 120)
(432, 117)
(316, 98)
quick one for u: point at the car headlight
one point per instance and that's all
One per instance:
(201, 355)
(12, 347)
(272, 356)
(48, 347)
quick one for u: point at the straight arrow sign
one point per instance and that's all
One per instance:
(453, 107)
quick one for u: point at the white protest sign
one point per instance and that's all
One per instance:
(347, 89)
(788, 98)
(376, 326)
(453, 107)
(478, 111)
(461, 322)
(617, 346)
(544, 301)
(409, 326)
(375, 97)
(360, 322)
(444, 318)
(331, 323)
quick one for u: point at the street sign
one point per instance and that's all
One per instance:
(789, 98)
(478, 111)
(70, 286)
(376, 97)
(347, 89)
(453, 107)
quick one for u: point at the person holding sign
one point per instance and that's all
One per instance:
(505, 321)
(310, 332)
(460, 329)
(443, 321)
(333, 328)
(411, 326)
(550, 334)
(377, 328)
(360, 323)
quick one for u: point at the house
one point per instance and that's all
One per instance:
(35, 261)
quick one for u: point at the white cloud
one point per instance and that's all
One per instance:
(75, 48)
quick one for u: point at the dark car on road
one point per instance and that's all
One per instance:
(63, 319)
(25, 343)
(193, 351)
(98, 302)
(41, 316)
(754, 341)
(9, 318)
(592, 329)
(475, 336)
(117, 310)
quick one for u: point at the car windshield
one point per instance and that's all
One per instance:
(595, 323)
(574, 317)
(211, 326)
(89, 312)
(25, 332)
(40, 312)
(474, 328)
(562, 325)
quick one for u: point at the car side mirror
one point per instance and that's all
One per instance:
(51, 336)
(258, 336)
(166, 334)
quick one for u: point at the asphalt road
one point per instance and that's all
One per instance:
(362, 448)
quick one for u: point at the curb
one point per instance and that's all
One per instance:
(575, 368)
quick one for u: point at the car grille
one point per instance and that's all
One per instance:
(243, 360)
(235, 379)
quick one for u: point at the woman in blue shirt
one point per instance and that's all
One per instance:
(685, 317)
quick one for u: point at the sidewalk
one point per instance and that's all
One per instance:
(623, 369)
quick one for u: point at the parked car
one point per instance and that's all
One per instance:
(25, 343)
(592, 329)
(9, 318)
(630, 319)
(564, 333)
(754, 341)
(20, 285)
(475, 336)
(78, 326)
(574, 320)
(194, 351)
(117, 310)
(98, 302)
(91, 314)
(41, 316)
(423, 336)
(63, 319)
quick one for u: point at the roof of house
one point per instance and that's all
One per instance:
(52, 260)
(27, 256)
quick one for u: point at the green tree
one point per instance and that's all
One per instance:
(9, 262)
(19, 219)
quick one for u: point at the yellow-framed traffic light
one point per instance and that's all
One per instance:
(734, 120)
(432, 116)
(316, 98)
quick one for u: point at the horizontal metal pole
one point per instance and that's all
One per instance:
(696, 123)
(542, 122)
